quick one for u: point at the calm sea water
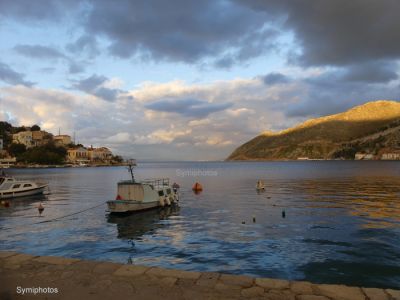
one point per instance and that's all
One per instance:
(341, 225)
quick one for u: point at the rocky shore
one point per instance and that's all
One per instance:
(24, 276)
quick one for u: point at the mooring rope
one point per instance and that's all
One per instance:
(57, 218)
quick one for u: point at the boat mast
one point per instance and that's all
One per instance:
(131, 164)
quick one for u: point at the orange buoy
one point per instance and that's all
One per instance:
(118, 197)
(197, 187)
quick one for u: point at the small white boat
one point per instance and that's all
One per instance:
(146, 194)
(12, 188)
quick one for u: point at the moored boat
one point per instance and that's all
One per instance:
(12, 188)
(135, 195)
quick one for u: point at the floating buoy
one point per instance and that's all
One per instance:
(118, 197)
(260, 186)
(197, 187)
(40, 208)
(283, 214)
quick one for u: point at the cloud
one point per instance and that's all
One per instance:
(275, 78)
(339, 32)
(94, 85)
(371, 72)
(85, 43)
(39, 10)
(182, 31)
(49, 53)
(10, 76)
(188, 107)
(39, 51)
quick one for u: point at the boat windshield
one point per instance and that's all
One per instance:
(1, 180)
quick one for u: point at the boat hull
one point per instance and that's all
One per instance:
(24, 193)
(123, 206)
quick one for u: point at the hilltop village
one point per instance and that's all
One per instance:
(30, 146)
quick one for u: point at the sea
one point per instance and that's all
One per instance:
(320, 221)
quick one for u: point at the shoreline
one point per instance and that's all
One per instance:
(86, 279)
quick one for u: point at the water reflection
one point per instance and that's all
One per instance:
(133, 226)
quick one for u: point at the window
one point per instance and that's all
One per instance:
(15, 186)
(161, 193)
(27, 185)
(168, 191)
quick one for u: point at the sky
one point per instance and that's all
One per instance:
(191, 80)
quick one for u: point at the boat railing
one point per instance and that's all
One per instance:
(156, 182)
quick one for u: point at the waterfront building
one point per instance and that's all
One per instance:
(62, 139)
(23, 137)
(77, 154)
(391, 156)
(99, 154)
(40, 137)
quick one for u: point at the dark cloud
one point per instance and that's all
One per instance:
(339, 32)
(38, 10)
(180, 30)
(49, 53)
(93, 85)
(10, 76)
(188, 107)
(38, 51)
(371, 72)
(275, 78)
(85, 43)
(337, 91)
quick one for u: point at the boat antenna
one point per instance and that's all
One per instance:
(131, 164)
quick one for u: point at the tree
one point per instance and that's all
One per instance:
(16, 149)
(35, 128)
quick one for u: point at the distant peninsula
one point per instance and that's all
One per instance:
(369, 131)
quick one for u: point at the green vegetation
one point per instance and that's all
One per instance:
(49, 154)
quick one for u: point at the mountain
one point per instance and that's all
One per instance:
(370, 128)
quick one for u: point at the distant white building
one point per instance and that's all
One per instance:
(363, 156)
(391, 156)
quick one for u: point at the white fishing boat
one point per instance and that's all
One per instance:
(12, 188)
(135, 195)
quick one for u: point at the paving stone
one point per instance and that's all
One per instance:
(340, 292)
(311, 297)
(106, 268)
(224, 287)
(240, 280)
(208, 279)
(5, 254)
(160, 272)
(375, 294)
(267, 283)
(253, 291)
(55, 260)
(301, 287)
(279, 295)
(168, 281)
(18, 259)
(395, 294)
(66, 275)
(130, 270)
